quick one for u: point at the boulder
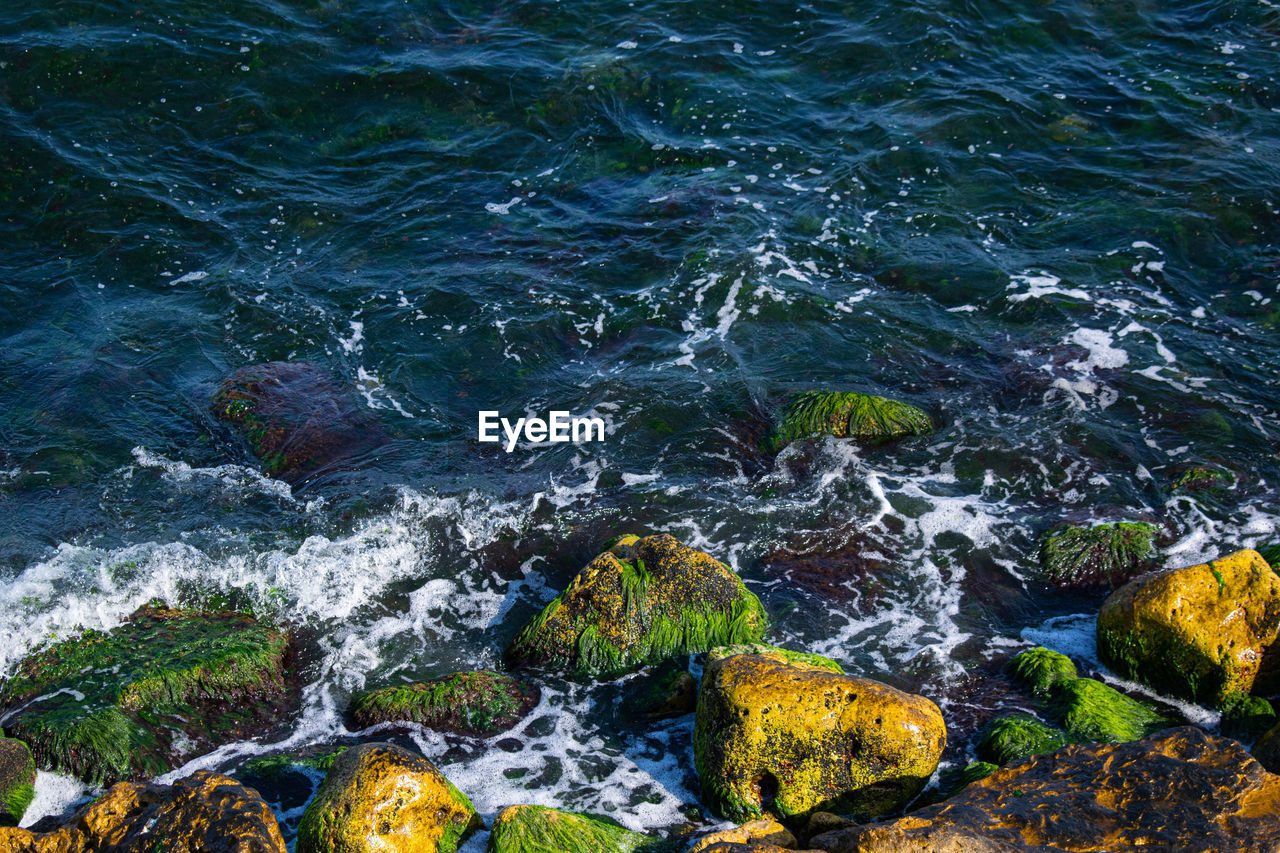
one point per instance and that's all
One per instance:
(1103, 555)
(17, 780)
(1179, 790)
(755, 832)
(847, 414)
(478, 703)
(1199, 633)
(784, 734)
(382, 798)
(203, 813)
(538, 829)
(640, 602)
(1011, 738)
(159, 689)
(295, 417)
(1093, 712)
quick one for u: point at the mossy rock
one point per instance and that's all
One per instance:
(1271, 553)
(1093, 712)
(641, 602)
(973, 772)
(1247, 718)
(538, 829)
(1011, 738)
(17, 780)
(1200, 633)
(847, 414)
(785, 738)
(295, 418)
(142, 699)
(288, 779)
(379, 796)
(1039, 669)
(477, 703)
(1201, 478)
(777, 654)
(1104, 555)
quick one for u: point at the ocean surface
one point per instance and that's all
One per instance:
(1051, 225)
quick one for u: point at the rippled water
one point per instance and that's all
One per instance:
(1053, 226)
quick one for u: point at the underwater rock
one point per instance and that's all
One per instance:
(1199, 632)
(538, 829)
(155, 691)
(1104, 555)
(296, 419)
(1201, 478)
(783, 734)
(203, 813)
(847, 414)
(288, 780)
(17, 780)
(382, 797)
(478, 703)
(1179, 790)
(1011, 738)
(640, 602)
(662, 695)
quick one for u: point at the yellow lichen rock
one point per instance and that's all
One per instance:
(756, 831)
(782, 733)
(1199, 632)
(381, 798)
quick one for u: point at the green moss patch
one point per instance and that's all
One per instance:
(17, 780)
(1039, 669)
(778, 654)
(1093, 712)
(666, 599)
(1104, 555)
(538, 829)
(847, 414)
(138, 701)
(1200, 478)
(476, 703)
(1011, 738)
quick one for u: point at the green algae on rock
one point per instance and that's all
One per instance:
(1011, 738)
(1199, 478)
(379, 796)
(478, 703)
(139, 700)
(1200, 632)
(1103, 555)
(775, 734)
(294, 416)
(1093, 712)
(642, 601)
(847, 414)
(17, 780)
(1039, 669)
(1247, 718)
(539, 829)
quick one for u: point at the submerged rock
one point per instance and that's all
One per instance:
(640, 602)
(159, 689)
(17, 780)
(1199, 632)
(1178, 790)
(203, 813)
(478, 703)
(1247, 718)
(847, 414)
(783, 734)
(1104, 555)
(295, 417)
(538, 829)
(1200, 478)
(382, 797)
(662, 695)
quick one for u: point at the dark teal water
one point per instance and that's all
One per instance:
(1051, 225)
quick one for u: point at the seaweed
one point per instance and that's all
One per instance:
(847, 414)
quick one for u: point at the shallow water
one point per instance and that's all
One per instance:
(1051, 225)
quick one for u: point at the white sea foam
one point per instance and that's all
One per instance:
(55, 795)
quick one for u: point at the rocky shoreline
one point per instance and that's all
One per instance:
(796, 752)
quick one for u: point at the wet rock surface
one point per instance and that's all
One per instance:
(17, 780)
(1180, 790)
(478, 703)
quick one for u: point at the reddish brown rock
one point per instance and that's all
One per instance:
(203, 813)
(1179, 790)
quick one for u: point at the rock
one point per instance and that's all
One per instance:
(1200, 478)
(847, 414)
(203, 813)
(777, 733)
(1199, 633)
(288, 780)
(17, 780)
(538, 829)
(382, 797)
(142, 699)
(1039, 669)
(762, 831)
(1270, 553)
(1011, 738)
(1104, 555)
(662, 695)
(1178, 790)
(640, 602)
(1093, 712)
(296, 419)
(1267, 749)
(1248, 718)
(478, 703)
